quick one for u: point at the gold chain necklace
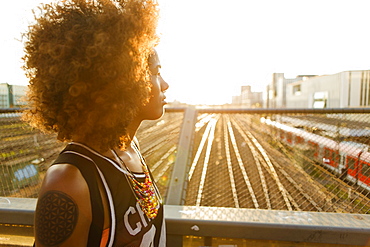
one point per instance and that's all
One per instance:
(145, 192)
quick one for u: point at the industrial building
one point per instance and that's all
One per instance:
(341, 90)
(247, 98)
(11, 95)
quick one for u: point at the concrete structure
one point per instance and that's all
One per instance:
(341, 90)
(11, 95)
(276, 92)
(4, 95)
(247, 98)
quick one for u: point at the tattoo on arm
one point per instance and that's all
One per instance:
(56, 218)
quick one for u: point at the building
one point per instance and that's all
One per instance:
(12, 95)
(341, 90)
(247, 98)
(4, 95)
(276, 92)
(236, 100)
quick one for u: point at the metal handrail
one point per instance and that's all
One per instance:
(241, 223)
(284, 110)
(238, 223)
(246, 110)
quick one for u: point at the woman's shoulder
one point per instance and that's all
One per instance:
(64, 205)
(64, 176)
(65, 181)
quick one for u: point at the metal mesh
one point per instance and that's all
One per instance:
(306, 162)
(158, 141)
(25, 154)
(317, 162)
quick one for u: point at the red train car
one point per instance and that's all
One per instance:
(349, 160)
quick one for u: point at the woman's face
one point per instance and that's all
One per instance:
(154, 108)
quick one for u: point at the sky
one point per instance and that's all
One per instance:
(210, 48)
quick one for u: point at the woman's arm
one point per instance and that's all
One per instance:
(63, 212)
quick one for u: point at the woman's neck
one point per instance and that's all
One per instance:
(132, 129)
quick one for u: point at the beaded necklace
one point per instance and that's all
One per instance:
(145, 192)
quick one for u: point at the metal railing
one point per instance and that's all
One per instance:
(258, 172)
(207, 224)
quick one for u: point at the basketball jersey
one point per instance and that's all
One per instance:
(129, 225)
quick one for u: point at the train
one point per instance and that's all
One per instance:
(19, 173)
(348, 160)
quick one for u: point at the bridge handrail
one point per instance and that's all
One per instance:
(241, 223)
(309, 227)
(247, 110)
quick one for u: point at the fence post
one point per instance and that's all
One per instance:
(175, 195)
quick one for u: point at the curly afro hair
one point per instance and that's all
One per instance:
(87, 64)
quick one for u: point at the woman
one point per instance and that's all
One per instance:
(94, 77)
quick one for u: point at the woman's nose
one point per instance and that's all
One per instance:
(164, 85)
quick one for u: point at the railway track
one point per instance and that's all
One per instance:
(244, 173)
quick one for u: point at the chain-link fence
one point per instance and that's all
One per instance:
(285, 161)
(302, 162)
(25, 153)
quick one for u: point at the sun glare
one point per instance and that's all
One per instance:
(209, 48)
